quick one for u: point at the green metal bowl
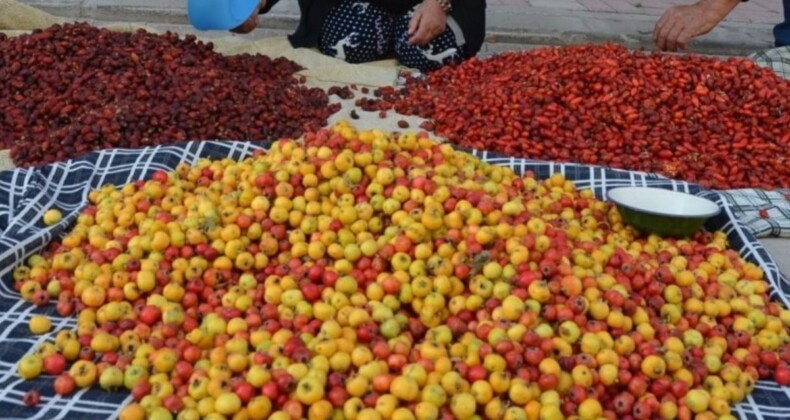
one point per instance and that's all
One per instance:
(663, 212)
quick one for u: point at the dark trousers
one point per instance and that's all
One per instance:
(782, 30)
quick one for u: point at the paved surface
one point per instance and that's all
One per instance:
(754, 11)
(780, 250)
(526, 22)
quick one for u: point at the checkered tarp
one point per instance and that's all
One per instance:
(776, 59)
(24, 194)
(765, 213)
(774, 205)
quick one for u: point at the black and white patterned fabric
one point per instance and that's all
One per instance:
(26, 193)
(777, 59)
(441, 51)
(766, 213)
(359, 32)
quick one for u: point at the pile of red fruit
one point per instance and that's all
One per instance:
(361, 276)
(722, 124)
(72, 89)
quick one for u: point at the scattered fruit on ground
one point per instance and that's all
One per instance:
(71, 89)
(720, 123)
(362, 275)
(32, 398)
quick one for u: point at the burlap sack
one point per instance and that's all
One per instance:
(5, 160)
(21, 17)
(320, 70)
(129, 27)
(17, 19)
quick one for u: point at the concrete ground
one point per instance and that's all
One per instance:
(533, 22)
(512, 25)
(779, 248)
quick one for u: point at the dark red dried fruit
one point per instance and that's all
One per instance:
(31, 398)
(721, 124)
(341, 92)
(428, 125)
(75, 88)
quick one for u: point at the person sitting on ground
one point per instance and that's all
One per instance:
(420, 34)
(680, 24)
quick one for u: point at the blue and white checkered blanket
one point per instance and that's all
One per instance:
(26, 193)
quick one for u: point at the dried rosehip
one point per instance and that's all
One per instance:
(719, 123)
(72, 89)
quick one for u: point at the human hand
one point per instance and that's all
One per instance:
(680, 24)
(250, 24)
(428, 22)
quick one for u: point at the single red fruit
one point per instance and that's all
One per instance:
(64, 384)
(31, 398)
(54, 364)
(782, 376)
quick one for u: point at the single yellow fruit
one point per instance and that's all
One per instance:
(52, 216)
(40, 324)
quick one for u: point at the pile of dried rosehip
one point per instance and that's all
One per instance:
(72, 89)
(723, 124)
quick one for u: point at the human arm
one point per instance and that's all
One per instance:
(428, 22)
(250, 24)
(680, 24)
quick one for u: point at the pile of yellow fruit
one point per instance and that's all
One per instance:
(366, 275)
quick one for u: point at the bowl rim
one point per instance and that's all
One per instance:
(620, 203)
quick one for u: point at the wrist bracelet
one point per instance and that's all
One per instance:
(446, 5)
